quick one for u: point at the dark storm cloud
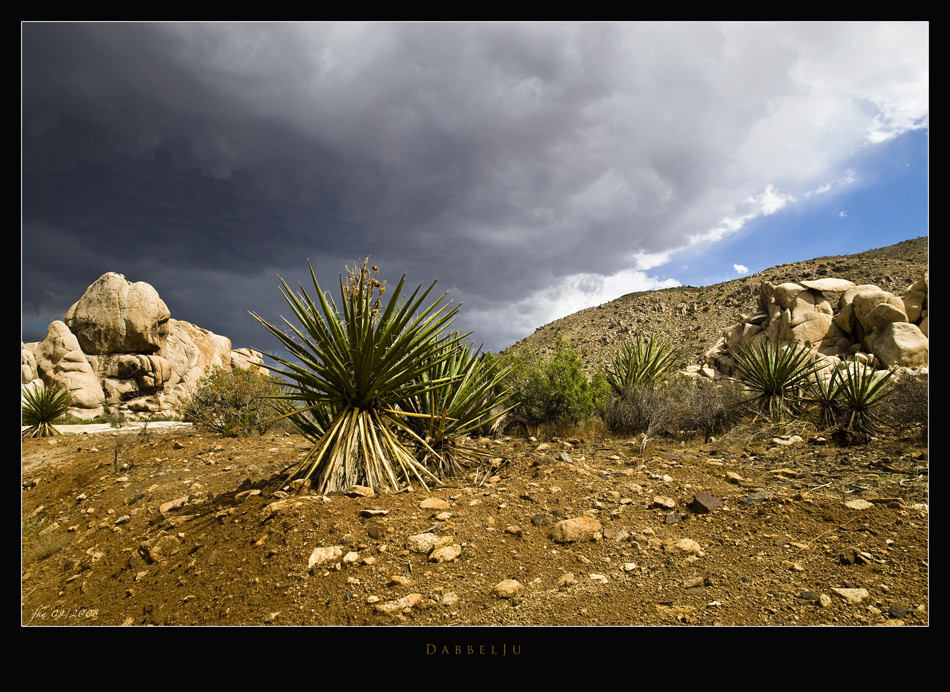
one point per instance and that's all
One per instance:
(502, 158)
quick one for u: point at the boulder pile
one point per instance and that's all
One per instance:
(836, 319)
(120, 352)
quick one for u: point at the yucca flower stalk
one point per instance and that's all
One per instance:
(473, 395)
(361, 361)
(861, 389)
(774, 375)
(40, 406)
(640, 361)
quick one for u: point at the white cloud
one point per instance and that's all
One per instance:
(842, 214)
(740, 268)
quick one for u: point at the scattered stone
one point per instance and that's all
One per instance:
(688, 545)
(734, 478)
(435, 503)
(704, 503)
(852, 595)
(672, 518)
(159, 548)
(897, 613)
(359, 491)
(509, 588)
(567, 580)
(320, 556)
(427, 542)
(858, 504)
(664, 502)
(760, 496)
(403, 604)
(374, 513)
(446, 554)
(571, 530)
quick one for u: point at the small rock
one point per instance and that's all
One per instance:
(427, 542)
(852, 595)
(757, 497)
(435, 503)
(664, 502)
(359, 491)
(566, 580)
(858, 504)
(509, 588)
(446, 554)
(325, 554)
(704, 503)
(571, 530)
(897, 612)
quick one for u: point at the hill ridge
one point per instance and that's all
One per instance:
(696, 316)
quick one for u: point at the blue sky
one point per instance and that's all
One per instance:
(534, 169)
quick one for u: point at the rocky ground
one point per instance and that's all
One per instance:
(179, 527)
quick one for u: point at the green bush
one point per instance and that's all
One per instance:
(233, 402)
(556, 389)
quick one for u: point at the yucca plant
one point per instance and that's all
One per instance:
(861, 389)
(639, 361)
(361, 362)
(774, 375)
(40, 406)
(473, 396)
(823, 392)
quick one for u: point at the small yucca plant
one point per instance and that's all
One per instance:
(472, 396)
(358, 365)
(774, 375)
(823, 393)
(640, 361)
(861, 389)
(40, 406)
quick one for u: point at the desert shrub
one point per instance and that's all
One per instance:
(233, 402)
(639, 361)
(555, 390)
(40, 406)
(675, 407)
(907, 403)
(711, 408)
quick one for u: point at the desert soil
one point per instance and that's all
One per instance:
(184, 531)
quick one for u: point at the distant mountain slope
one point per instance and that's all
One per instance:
(695, 317)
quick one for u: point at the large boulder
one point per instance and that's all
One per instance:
(115, 315)
(60, 361)
(902, 344)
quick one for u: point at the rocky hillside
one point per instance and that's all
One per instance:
(696, 317)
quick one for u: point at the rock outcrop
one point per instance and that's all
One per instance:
(119, 351)
(836, 319)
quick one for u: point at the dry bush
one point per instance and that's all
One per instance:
(907, 404)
